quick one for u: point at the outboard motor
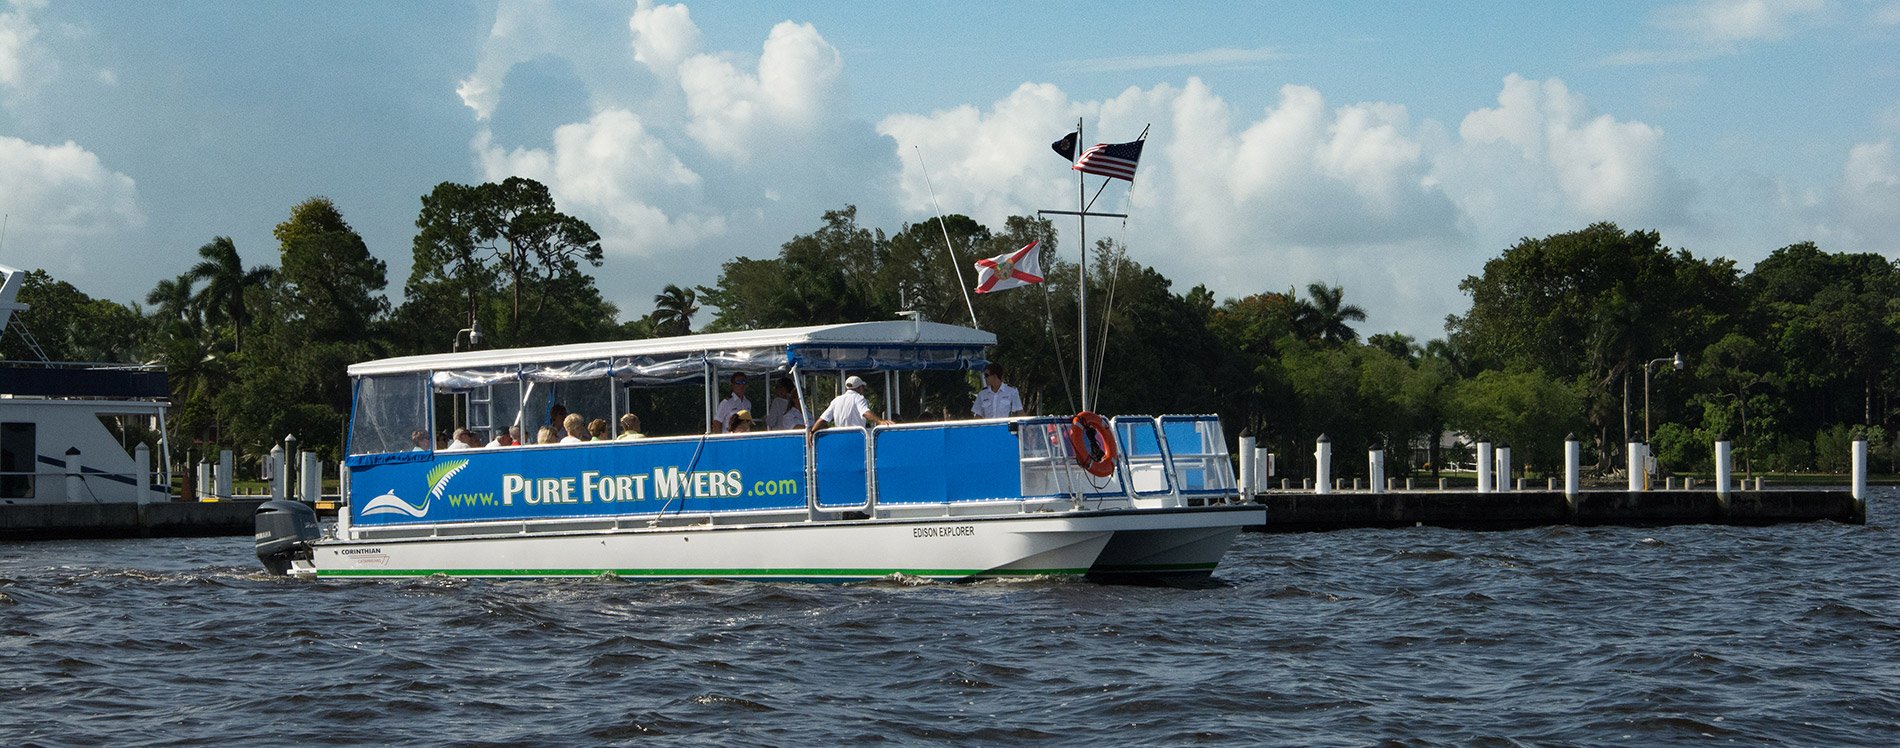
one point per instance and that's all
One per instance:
(285, 530)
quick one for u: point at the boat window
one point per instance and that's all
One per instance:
(392, 415)
(1048, 462)
(131, 429)
(19, 450)
(1199, 454)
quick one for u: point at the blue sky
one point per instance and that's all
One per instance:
(1388, 147)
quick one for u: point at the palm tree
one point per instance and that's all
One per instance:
(226, 280)
(673, 310)
(173, 299)
(1324, 317)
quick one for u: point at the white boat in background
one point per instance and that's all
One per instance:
(76, 431)
(948, 500)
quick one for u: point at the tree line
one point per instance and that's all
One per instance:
(1572, 333)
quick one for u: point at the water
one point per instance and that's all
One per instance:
(1632, 636)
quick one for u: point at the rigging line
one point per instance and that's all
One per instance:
(1055, 345)
(1101, 361)
(1114, 280)
(947, 247)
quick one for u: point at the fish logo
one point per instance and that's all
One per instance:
(390, 503)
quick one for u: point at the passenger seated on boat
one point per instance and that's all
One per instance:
(507, 438)
(419, 440)
(783, 413)
(740, 423)
(848, 409)
(557, 418)
(597, 430)
(463, 439)
(576, 428)
(546, 436)
(733, 403)
(629, 428)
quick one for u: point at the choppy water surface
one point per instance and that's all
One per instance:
(1786, 634)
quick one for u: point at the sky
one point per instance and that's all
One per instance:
(1389, 148)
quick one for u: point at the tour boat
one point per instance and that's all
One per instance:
(1132, 497)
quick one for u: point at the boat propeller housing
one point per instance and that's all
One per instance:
(285, 530)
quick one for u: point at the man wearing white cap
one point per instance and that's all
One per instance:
(847, 409)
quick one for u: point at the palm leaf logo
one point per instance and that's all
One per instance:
(439, 477)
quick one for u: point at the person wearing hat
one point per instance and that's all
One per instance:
(741, 422)
(735, 402)
(849, 408)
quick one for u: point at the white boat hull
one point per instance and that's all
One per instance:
(1112, 544)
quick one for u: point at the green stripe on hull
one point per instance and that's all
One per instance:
(812, 575)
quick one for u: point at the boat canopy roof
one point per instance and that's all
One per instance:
(860, 346)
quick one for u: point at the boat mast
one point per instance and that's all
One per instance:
(1082, 271)
(1081, 213)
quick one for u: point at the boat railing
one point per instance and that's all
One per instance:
(913, 469)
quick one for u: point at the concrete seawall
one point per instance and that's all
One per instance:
(1309, 512)
(126, 520)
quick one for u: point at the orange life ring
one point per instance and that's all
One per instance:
(1094, 443)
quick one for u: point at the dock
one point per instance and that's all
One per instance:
(158, 519)
(1306, 511)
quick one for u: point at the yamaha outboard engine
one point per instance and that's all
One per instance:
(285, 530)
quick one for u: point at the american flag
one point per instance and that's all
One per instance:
(1115, 160)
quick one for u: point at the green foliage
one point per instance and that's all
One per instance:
(673, 310)
(71, 326)
(1528, 410)
(1594, 305)
(503, 256)
(1324, 315)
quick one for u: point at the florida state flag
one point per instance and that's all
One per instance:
(1019, 268)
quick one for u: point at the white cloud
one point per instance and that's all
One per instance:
(613, 171)
(1887, 15)
(663, 35)
(1205, 58)
(711, 154)
(525, 30)
(1306, 190)
(62, 203)
(735, 114)
(1539, 155)
(1714, 28)
(1723, 22)
(1869, 196)
(17, 47)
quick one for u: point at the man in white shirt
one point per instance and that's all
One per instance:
(995, 399)
(735, 402)
(847, 409)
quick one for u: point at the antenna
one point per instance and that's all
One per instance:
(948, 248)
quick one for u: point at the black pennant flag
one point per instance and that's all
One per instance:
(1066, 146)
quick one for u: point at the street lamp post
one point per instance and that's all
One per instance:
(1675, 360)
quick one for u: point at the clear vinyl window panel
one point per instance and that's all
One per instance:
(1048, 462)
(392, 415)
(1197, 450)
(1140, 442)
